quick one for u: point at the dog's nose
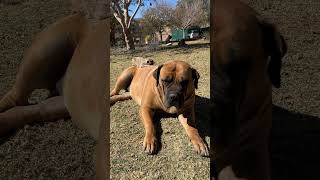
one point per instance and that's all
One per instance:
(173, 97)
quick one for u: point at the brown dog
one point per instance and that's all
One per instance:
(169, 88)
(69, 58)
(246, 61)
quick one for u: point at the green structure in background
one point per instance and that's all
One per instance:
(188, 34)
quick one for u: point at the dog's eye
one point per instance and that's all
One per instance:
(167, 80)
(184, 82)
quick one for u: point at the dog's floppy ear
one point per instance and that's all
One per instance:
(195, 77)
(274, 67)
(275, 47)
(156, 73)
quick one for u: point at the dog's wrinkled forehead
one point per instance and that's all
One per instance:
(178, 68)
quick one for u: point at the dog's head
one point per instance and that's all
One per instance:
(242, 69)
(177, 82)
(246, 62)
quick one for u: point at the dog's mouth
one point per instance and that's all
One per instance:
(172, 110)
(174, 100)
(176, 105)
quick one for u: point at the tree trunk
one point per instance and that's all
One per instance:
(160, 36)
(128, 39)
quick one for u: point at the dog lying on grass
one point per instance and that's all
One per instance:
(69, 58)
(167, 88)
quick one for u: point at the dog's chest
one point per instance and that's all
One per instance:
(140, 82)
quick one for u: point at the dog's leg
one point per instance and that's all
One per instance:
(187, 120)
(53, 92)
(46, 60)
(124, 80)
(48, 110)
(122, 97)
(7, 101)
(15, 97)
(150, 140)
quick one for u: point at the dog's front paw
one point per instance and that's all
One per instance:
(150, 144)
(200, 146)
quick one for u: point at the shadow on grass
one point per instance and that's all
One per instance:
(203, 116)
(178, 49)
(294, 145)
(189, 47)
(202, 112)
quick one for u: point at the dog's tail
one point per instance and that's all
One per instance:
(275, 47)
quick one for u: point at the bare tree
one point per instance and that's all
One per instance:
(155, 19)
(205, 8)
(121, 13)
(188, 14)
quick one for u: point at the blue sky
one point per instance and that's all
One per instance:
(147, 4)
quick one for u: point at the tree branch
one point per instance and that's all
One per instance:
(128, 2)
(135, 12)
(117, 13)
